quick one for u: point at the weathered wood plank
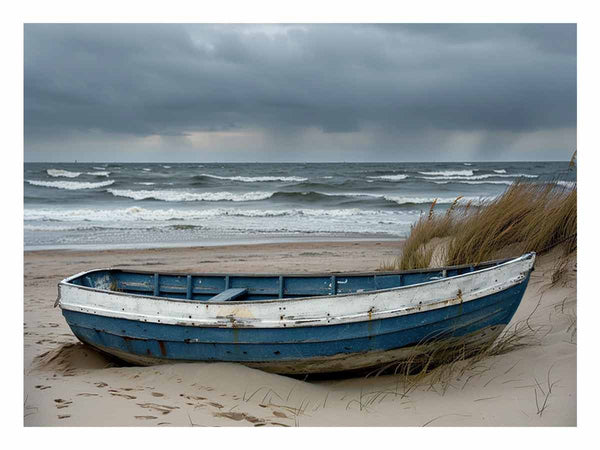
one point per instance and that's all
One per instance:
(229, 294)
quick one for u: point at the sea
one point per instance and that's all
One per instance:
(142, 205)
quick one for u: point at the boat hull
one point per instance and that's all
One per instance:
(336, 347)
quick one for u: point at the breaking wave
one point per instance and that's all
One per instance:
(62, 173)
(102, 173)
(182, 196)
(162, 215)
(70, 185)
(311, 197)
(254, 179)
(508, 183)
(448, 173)
(390, 177)
(481, 177)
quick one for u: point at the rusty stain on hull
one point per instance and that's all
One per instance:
(163, 349)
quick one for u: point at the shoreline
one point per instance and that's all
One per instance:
(217, 244)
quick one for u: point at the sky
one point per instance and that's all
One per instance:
(320, 92)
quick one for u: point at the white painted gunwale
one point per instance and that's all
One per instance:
(296, 312)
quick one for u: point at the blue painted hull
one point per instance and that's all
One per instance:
(286, 348)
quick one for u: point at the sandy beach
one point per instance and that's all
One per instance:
(69, 384)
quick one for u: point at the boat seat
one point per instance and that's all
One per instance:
(229, 294)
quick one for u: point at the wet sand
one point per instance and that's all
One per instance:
(69, 384)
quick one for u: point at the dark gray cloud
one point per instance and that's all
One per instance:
(467, 91)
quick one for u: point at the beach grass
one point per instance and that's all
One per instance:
(526, 217)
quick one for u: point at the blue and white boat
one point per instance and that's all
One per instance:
(290, 324)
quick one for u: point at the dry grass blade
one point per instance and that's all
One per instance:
(573, 162)
(441, 365)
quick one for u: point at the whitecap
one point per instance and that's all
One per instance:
(62, 173)
(255, 179)
(439, 200)
(481, 177)
(103, 173)
(500, 171)
(449, 173)
(390, 177)
(70, 185)
(508, 183)
(183, 196)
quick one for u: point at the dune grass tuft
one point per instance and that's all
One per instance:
(416, 252)
(526, 217)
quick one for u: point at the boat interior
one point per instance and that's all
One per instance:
(223, 288)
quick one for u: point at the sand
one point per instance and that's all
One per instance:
(69, 384)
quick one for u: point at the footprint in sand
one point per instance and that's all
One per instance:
(64, 416)
(87, 394)
(192, 397)
(157, 394)
(127, 396)
(41, 387)
(146, 417)
(60, 403)
(100, 384)
(216, 405)
(164, 409)
(237, 416)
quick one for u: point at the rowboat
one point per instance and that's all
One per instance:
(290, 324)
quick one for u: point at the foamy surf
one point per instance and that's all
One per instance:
(138, 214)
(390, 177)
(401, 200)
(481, 177)
(255, 179)
(62, 173)
(449, 173)
(179, 203)
(70, 185)
(102, 173)
(507, 183)
(183, 196)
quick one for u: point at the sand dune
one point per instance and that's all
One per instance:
(67, 383)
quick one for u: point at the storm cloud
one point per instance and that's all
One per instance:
(394, 92)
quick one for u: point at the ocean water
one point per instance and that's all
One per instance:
(116, 205)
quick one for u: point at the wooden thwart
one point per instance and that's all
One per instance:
(229, 294)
